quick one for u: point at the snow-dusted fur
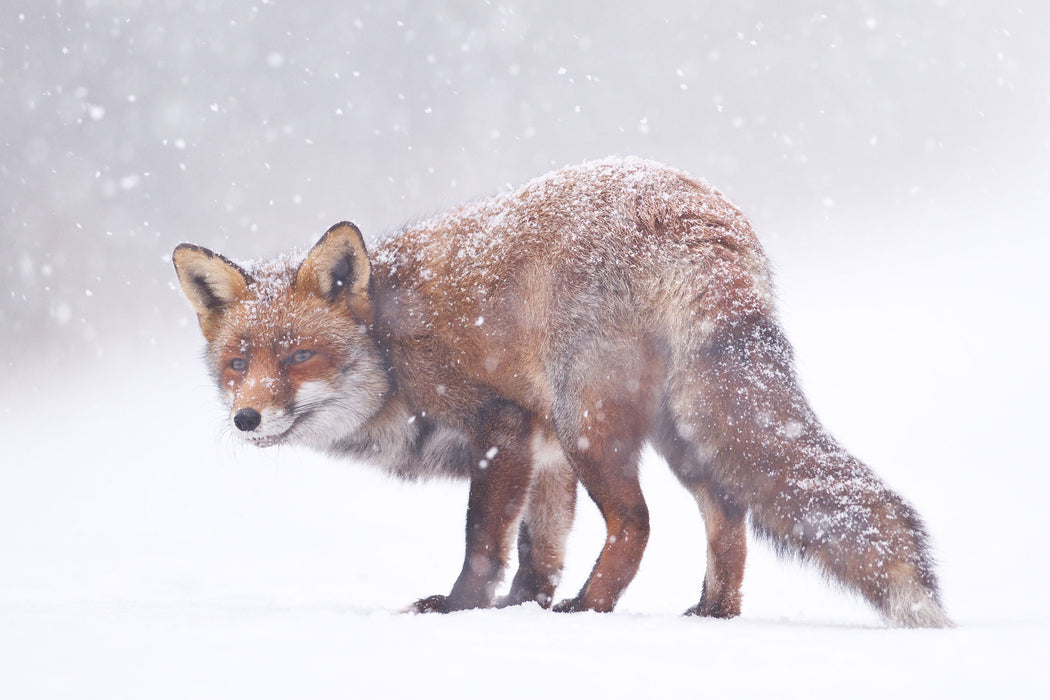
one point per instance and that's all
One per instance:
(545, 335)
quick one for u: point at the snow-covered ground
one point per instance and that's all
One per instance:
(145, 554)
(893, 156)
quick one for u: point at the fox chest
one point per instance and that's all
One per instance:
(417, 449)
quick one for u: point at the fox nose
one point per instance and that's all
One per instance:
(247, 419)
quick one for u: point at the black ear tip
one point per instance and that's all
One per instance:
(344, 224)
(185, 248)
(345, 230)
(178, 255)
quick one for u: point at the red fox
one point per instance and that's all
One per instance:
(544, 336)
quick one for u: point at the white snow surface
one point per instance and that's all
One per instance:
(892, 156)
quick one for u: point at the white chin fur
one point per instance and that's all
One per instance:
(273, 428)
(330, 412)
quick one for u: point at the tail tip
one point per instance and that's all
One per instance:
(917, 608)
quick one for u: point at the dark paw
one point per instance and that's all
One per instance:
(512, 599)
(509, 601)
(433, 604)
(570, 605)
(702, 610)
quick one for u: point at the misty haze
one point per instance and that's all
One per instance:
(893, 158)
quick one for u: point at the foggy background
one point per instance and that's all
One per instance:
(844, 129)
(894, 158)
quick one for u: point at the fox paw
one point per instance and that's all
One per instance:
(433, 604)
(512, 599)
(719, 612)
(570, 605)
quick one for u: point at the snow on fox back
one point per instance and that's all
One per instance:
(578, 213)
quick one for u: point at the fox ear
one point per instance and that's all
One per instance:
(209, 281)
(337, 269)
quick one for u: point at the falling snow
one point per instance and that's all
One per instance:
(892, 159)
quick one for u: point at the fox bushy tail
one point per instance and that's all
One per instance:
(766, 450)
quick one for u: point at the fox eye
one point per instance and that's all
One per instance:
(238, 364)
(300, 356)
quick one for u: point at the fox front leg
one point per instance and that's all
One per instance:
(499, 486)
(545, 526)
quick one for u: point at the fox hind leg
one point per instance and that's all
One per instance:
(725, 523)
(617, 493)
(602, 431)
(726, 528)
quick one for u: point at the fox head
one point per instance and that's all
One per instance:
(290, 346)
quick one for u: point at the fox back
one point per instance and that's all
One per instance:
(544, 336)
